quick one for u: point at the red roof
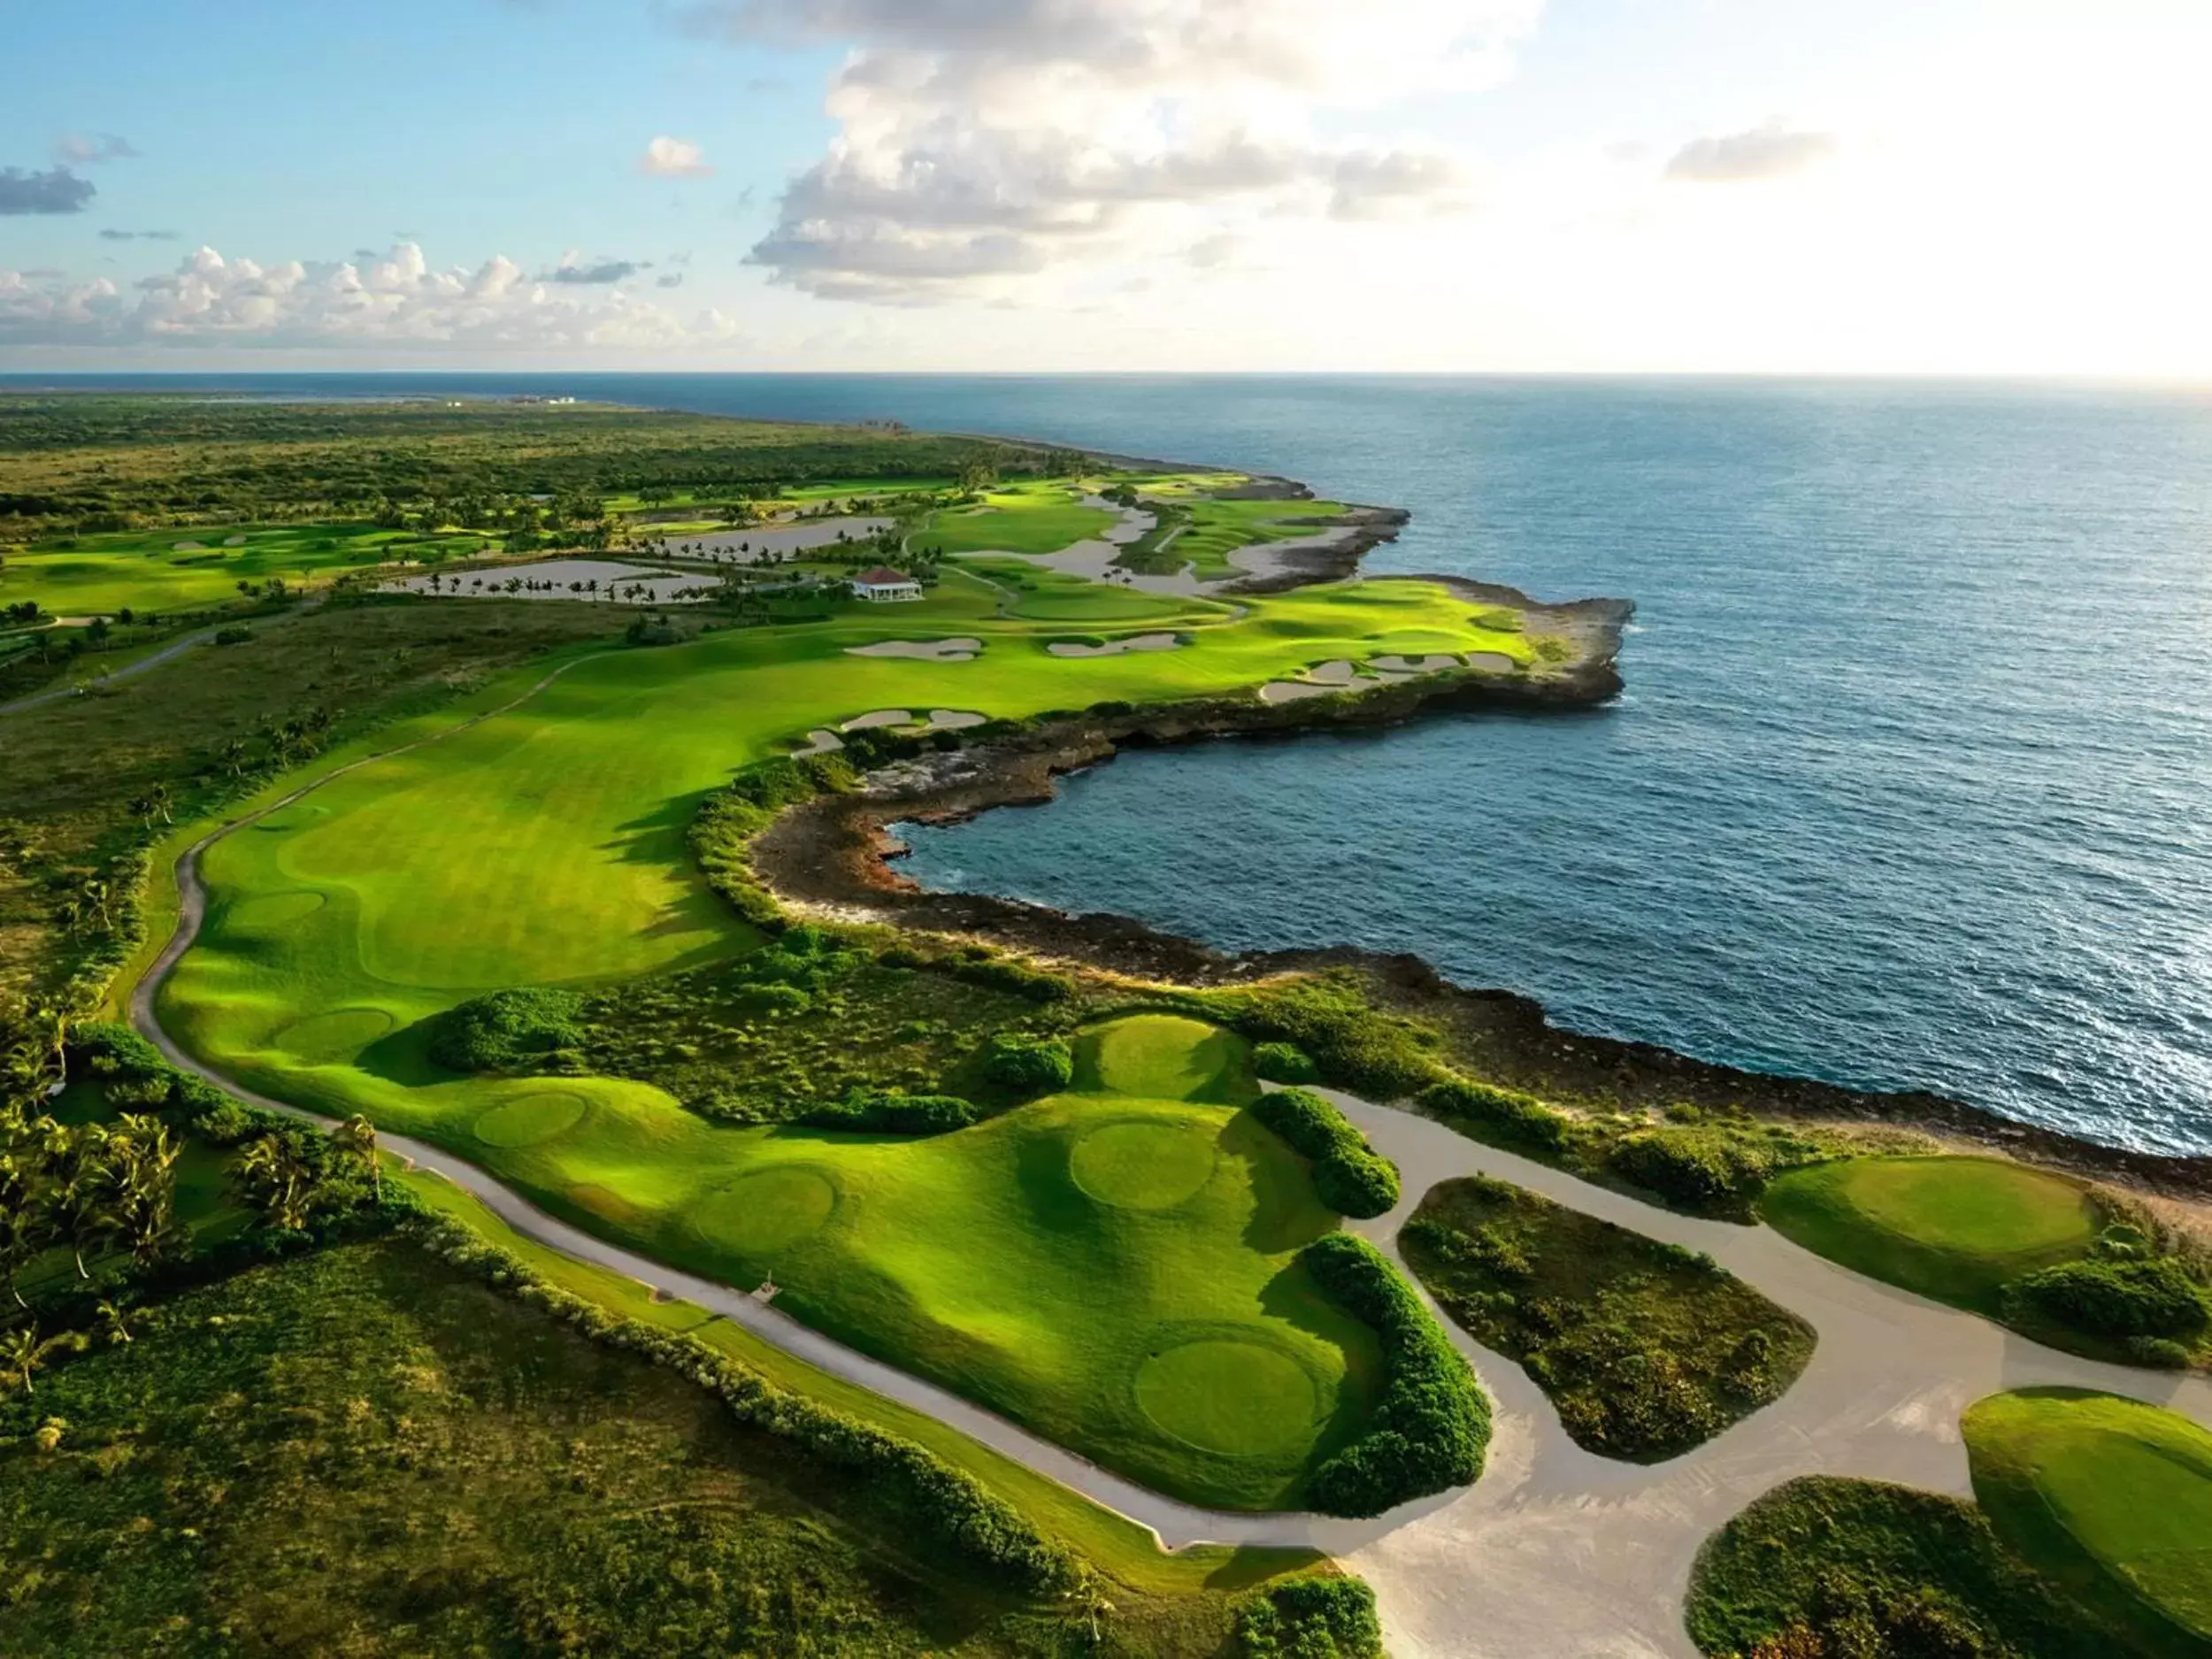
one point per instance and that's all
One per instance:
(882, 576)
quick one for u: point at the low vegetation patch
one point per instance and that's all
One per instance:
(1310, 1616)
(1830, 1569)
(2110, 1499)
(1646, 1350)
(1432, 1427)
(1351, 1177)
(506, 1030)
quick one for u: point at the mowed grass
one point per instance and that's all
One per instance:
(2111, 1499)
(1218, 528)
(1956, 1229)
(184, 569)
(1042, 518)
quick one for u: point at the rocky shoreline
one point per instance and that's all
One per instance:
(832, 855)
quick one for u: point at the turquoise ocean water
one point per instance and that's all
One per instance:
(1912, 786)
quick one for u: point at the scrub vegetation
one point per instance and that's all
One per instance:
(1646, 1348)
(1830, 1568)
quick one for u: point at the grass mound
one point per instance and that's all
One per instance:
(2111, 1499)
(531, 1119)
(1957, 1229)
(1144, 1164)
(1823, 1568)
(337, 1035)
(1646, 1350)
(1164, 1056)
(772, 1211)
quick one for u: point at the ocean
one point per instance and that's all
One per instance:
(1911, 786)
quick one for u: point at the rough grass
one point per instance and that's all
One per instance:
(1830, 1568)
(2112, 1500)
(1956, 1229)
(364, 1453)
(1646, 1349)
(1042, 518)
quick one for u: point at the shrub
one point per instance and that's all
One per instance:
(2117, 1299)
(1027, 1066)
(1311, 1616)
(1697, 1170)
(1003, 974)
(505, 1029)
(1499, 1115)
(1384, 1057)
(1433, 1425)
(1350, 1176)
(1283, 1063)
(896, 1114)
(233, 636)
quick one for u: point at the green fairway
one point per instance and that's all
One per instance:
(2109, 1498)
(1957, 1229)
(1042, 518)
(184, 569)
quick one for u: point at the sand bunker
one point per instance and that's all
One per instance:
(1493, 662)
(954, 719)
(875, 718)
(1114, 648)
(1334, 672)
(921, 650)
(938, 720)
(756, 544)
(233, 540)
(1292, 690)
(187, 547)
(1435, 664)
(821, 741)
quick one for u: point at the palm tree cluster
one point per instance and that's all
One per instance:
(88, 1188)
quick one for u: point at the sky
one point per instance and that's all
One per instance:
(1879, 186)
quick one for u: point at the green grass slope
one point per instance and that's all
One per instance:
(2112, 1500)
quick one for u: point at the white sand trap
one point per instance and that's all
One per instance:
(875, 718)
(920, 651)
(1114, 648)
(233, 540)
(1435, 664)
(187, 547)
(752, 544)
(1493, 662)
(821, 741)
(1336, 672)
(549, 579)
(1292, 690)
(955, 719)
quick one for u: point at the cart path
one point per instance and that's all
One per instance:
(1555, 1550)
(130, 671)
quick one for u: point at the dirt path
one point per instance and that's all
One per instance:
(1555, 1551)
(175, 649)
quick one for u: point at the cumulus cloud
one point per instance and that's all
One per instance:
(138, 235)
(77, 149)
(56, 190)
(397, 300)
(984, 142)
(674, 159)
(573, 270)
(1764, 152)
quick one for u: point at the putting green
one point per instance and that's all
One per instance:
(531, 1120)
(1144, 1165)
(769, 1212)
(1163, 1056)
(1228, 1395)
(1957, 1229)
(2109, 1498)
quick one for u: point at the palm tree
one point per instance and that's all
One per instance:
(77, 1188)
(114, 1325)
(22, 1352)
(23, 1232)
(357, 1135)
(279, 1180)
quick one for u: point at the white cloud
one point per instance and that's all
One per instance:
(1765, 152)
(75, 150)
(985, 143)
(668, 157)
(397, 300)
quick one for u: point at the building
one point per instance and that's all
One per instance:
(886, 586)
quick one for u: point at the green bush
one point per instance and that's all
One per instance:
(1698, 1169)
(1499, 1115)
(1000, 973)
(1350, 1176)
(896, 1114)
(1310, 1616)
(1028, 1067)
(1283, 1063)
(2119, 1299)
(1353, 1045)
(1431, 1426)
(503, 1030)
